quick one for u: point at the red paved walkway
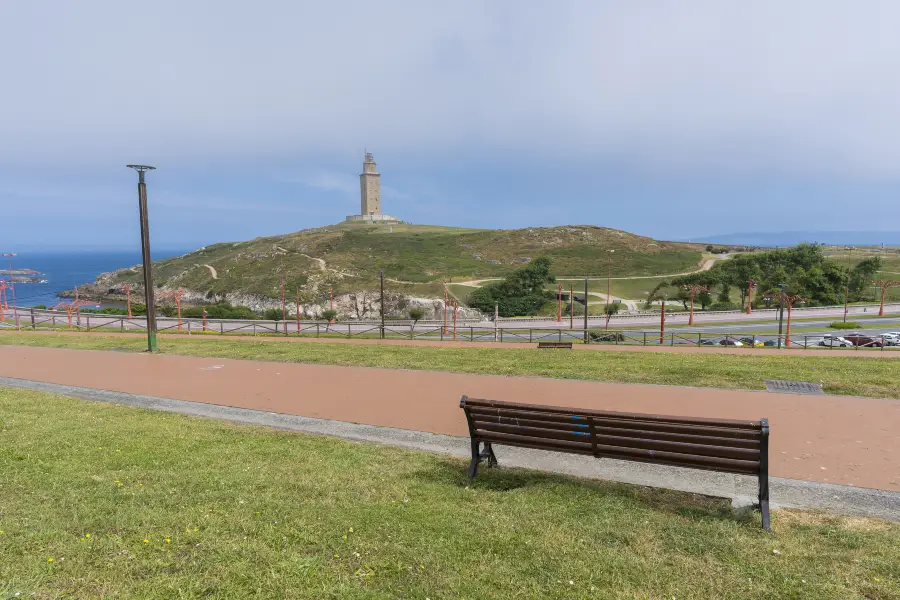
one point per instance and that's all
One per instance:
(832, 439)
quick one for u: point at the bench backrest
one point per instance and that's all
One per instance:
(710, 444)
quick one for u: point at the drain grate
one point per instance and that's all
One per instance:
(793, 387)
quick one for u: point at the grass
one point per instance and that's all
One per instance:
(103, 501)
(411, 253)
(863, 376)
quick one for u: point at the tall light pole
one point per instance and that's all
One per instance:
(145, 255)
(847, 289)
(608, 280)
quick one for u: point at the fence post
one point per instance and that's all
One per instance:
(285, 327)
(189, 326)
(222, 327)
(32, 318)
(672, 343)
(560, 335)
(501, 333)
(645, 338)
(317, 330)
(53, 321)
(254, 328)
(122, 324)
(530, 331)
(348, 330)
(88, 322)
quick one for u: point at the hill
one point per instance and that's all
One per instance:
(416, 260)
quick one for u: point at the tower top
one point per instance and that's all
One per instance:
(369, 158)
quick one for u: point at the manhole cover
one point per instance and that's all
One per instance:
(793, 387)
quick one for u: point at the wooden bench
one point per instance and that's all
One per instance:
(555, 345)
(740, 447)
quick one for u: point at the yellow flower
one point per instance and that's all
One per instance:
(168, 540)
(146, 541)
(350, 530)
(50, 560)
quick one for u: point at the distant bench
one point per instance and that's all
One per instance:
(555, 345)
(740, 447)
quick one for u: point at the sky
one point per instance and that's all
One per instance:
(669, 118)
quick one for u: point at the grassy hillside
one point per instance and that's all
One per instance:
(416, 258)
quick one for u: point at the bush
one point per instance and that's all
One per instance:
(329, 315)
(416, 313)
(607, 336)
(272, 314)
(723, 306)
(847, 325)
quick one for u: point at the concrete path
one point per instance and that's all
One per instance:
(828, 439)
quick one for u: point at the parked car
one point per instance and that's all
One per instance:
(892, 338)
(770, 343)
(706, 342)
(730, 342)
(835, 341)
(858, 339)
(749, 341)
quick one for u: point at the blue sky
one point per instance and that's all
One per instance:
(666, 118)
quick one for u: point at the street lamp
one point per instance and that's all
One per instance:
(145, 255)
(608, 278)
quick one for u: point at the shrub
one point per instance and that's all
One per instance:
(723, 306)
(847, 325)
(329, 315)
(607, 336)
(416, 313)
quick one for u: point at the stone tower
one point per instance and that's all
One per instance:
(370, 188)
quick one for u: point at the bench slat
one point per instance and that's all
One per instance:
(625, 442)
(614, 421)
(603, 451)
(474, 403)
(624, 430)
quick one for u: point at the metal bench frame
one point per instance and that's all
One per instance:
(656, 439)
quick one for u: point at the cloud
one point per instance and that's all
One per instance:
(791, 87)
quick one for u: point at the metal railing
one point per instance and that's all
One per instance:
(430, 330)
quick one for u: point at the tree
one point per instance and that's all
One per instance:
(416, 313)
(612, 309)
(522, 292)
(329, 315)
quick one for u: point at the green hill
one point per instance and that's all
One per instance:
(416, 259)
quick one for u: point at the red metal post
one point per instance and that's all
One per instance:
(446, 299)
(128, 299)
(691, 318)
(787, 334)
(559, 290)
(884, 288)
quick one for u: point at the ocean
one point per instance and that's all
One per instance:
(65, 270)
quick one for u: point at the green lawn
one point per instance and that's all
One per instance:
(106, 501)
(863, 376)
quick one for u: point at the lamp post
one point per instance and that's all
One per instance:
(145, 255)
(608, 280)
(847, 289)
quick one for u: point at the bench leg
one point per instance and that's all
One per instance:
(488, 453)
(476, 458)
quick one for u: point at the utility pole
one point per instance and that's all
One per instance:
(382, 304)
(781, 316)
(496, 321)
(145, 255)
(586, 341)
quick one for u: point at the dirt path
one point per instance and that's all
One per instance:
(212, 271)
(831, 439)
